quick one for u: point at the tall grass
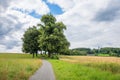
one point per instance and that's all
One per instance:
(86, 68)
(75, 71)
(15, 56)
(111, 64)
(17, 66)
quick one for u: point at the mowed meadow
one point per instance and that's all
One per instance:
(17, 66)
(86, 68)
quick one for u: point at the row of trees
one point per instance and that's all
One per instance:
(87, 51)
(107, 50)
(80, 51)
(47, 36)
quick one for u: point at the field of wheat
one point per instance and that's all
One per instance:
(17, 66)
(111, 64)
(90, 59)
(86, 68)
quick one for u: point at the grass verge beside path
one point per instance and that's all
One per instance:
(111, 64)
(17, 66)
(75, 71)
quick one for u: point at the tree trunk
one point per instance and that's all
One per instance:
(49, 54)
(41, 52)
(36, 54)
(33, 55)
(45, 52)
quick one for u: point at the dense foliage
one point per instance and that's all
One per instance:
(110, 51)
(80, 51)
(52, 39)
(30, 43)
(48, 37)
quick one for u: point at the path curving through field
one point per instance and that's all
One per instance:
(45, 72)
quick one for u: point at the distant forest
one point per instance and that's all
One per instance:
(105, 51)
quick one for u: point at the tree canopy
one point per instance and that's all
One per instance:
(48, 37)
(30, 41)
(52, 38)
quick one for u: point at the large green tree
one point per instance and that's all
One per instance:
(52, 38)
(30, 41)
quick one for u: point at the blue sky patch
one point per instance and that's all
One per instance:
(54, 9)
(35, 15)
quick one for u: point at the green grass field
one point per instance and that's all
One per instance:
(22, 66)
(86, 68)
(17, 66)
(106, 55)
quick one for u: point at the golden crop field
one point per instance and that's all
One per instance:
(111, 64)
(17, 66)
(87, 68)
(91, 59)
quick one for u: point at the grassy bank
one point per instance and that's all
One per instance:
(17, 66)
(86, 68)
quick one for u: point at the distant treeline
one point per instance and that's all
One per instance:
(87, 51)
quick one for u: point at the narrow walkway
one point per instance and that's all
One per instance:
(45, 72)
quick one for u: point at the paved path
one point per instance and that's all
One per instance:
(45, 72)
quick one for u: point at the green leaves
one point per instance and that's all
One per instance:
(52, 37)
(30, 43)
(49, 37)
(48, 19)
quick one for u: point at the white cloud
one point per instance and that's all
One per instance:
(14, 23)
(2, 48)
(82, 31)
(18, 26)
(30, 5)
(16, 49)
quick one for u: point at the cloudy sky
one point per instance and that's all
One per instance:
(90, 23)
